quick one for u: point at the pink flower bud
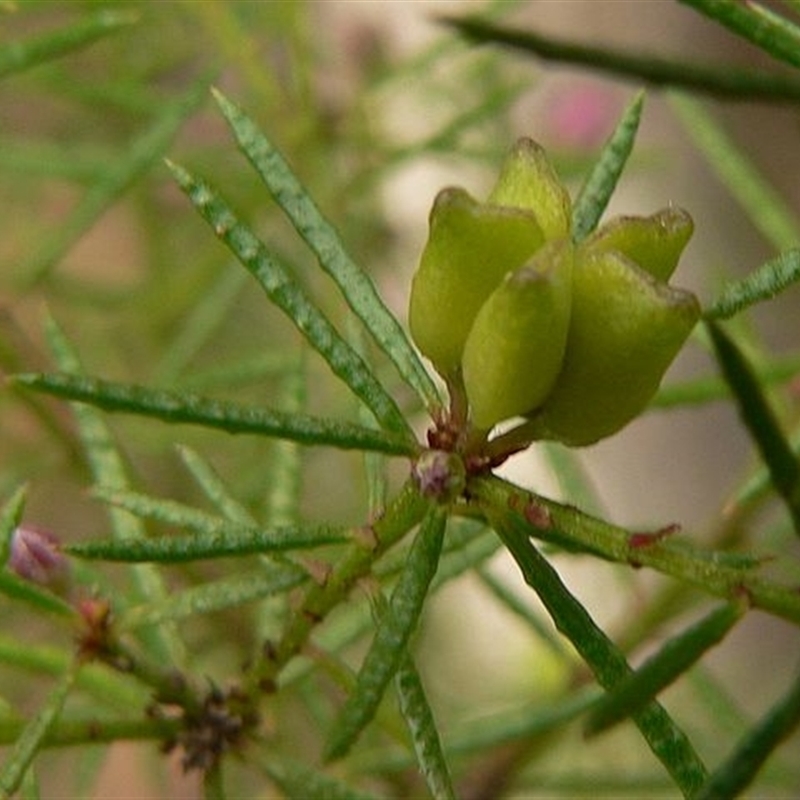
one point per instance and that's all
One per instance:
(35, 555)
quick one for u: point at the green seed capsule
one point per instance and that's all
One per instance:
(655, 243)
(514, 350)
(625, 330)
(528, 180)
(470, 248)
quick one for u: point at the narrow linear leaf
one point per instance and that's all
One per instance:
(394, 630)
(212, 485)
(243, 371)
(711, 388)
(600, 183)
(32, 737)
(182, 548)
(418, 716)
(467, 546)
(778, 40)
(179, 407)
(522, 723)
(199, 325)
(323, 239)
(282, 501)
(213, 784)
(43, 158)
(572, 475)
(29, 788)
(37, 598)
(19, 56)
(760, 420)
(287, 295)
(107, 464)
(724, 81)
(768, 281)
(765, 208)
(523, 610)
(218, 595)
(71, 732)
(10, 516)
(297, 780)
(666, 740)
(170, 512)
(108, 689)
(661, 669)
(138, 157)
(406, 510)
(759, 483)
(374, 464)
(737, 771)
(213, 535)
(725, 575)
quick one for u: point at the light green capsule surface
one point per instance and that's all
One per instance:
(528, 180)
(655, 243)
(514, 350)
(469, 250)
(625, 330)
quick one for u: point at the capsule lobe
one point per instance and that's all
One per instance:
(625, 330)
(470, 247)
(515, 348)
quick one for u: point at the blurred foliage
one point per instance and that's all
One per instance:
(108, 271)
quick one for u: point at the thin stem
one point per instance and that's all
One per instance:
(506, 444)
(401, 516)
(74, 732)
(724, 81)
(712, 572)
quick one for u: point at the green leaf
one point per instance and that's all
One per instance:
(668, 742)
(181, 407)
(181, 548)
(405, 511)
(287, 294)
(418, 716)
(213, 487)
(517, 605)
(282, 501)
(199, 325)
(761, 422)
(298, 780)
(108, 689)
(764, 283)
(765, 208)
(725, 81)
(780, 40)
(169, 512)
(136, 159)
(18, 56)
(214, 536)
(725, 575)
(731, 777)
(670, 662)
(215, 596)
(108, 465)
(600, 183)
(93, 731)
(394, 630)
(40, 599)
(10, 516)
(33, 735)
(705, 390)
(525, 723)
(355, 285)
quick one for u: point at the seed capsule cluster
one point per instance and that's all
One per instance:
(576, 338)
